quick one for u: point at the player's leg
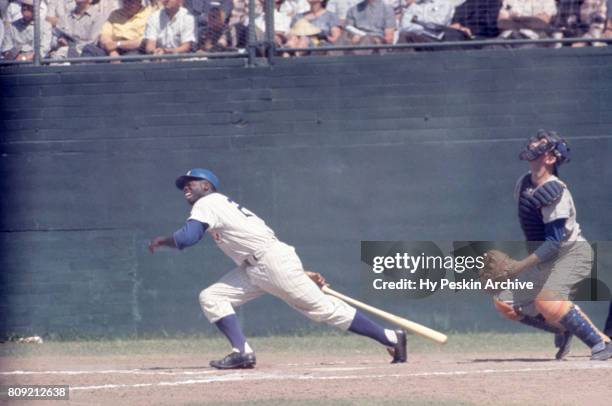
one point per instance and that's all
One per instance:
(519, 306)
(570, 268)
(574, 320)
(218, 302)
(563, 337)
(281, 274)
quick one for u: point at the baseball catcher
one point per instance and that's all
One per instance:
(263, 265)
(559, 256)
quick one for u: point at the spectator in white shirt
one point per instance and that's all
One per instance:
(170, 30)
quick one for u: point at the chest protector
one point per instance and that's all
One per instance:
(530, 203)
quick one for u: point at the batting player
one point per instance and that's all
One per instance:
(263, 265)
(559, 258)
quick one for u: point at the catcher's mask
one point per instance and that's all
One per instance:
(554, 143)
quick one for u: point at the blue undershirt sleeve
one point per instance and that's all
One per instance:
(554, 234)
(189, 234)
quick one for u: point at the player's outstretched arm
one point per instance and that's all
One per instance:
(188, 235)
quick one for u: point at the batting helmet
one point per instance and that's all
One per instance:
(197, 174)
(554, 143)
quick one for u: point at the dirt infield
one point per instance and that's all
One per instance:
(353, 375)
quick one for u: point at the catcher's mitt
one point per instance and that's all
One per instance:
(498, 266)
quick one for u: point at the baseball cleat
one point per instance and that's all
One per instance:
(400, 350)
(563, 341)
(604, 354)
(235, 360)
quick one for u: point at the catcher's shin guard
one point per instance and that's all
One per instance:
(563, 338)
(576, 322)
(540, 322)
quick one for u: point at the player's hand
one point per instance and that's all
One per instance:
(155, 244)
(317, 278)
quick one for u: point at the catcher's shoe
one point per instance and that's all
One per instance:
(563, 341)
(235, 360)
(604, 354)
(400, 350)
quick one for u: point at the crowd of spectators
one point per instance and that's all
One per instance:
(73, 28)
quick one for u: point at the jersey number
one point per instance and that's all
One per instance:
(243, 210)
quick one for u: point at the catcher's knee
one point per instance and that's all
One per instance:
(553, 310)
(506, 310)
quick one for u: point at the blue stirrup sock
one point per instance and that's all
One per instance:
(231, 328)
(578, 324)
(363, 326)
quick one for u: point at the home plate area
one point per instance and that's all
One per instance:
(480, 378)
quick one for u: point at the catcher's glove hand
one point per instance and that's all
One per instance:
(317, 278)
(498, 266)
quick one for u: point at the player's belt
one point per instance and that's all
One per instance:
(254, 258)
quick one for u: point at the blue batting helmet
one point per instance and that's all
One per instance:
(197, 174)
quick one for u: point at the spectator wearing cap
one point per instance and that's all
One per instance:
(123, 31)
(75, 29)
(10, 11)
(18, 42)
(170, 30)
(526, 19)
(324, 26)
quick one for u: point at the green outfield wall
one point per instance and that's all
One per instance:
(329, 151)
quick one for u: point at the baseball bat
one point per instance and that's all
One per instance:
(400, 321)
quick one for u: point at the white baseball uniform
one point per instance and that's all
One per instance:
(264, 265)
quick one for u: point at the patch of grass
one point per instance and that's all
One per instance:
(330, 342)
